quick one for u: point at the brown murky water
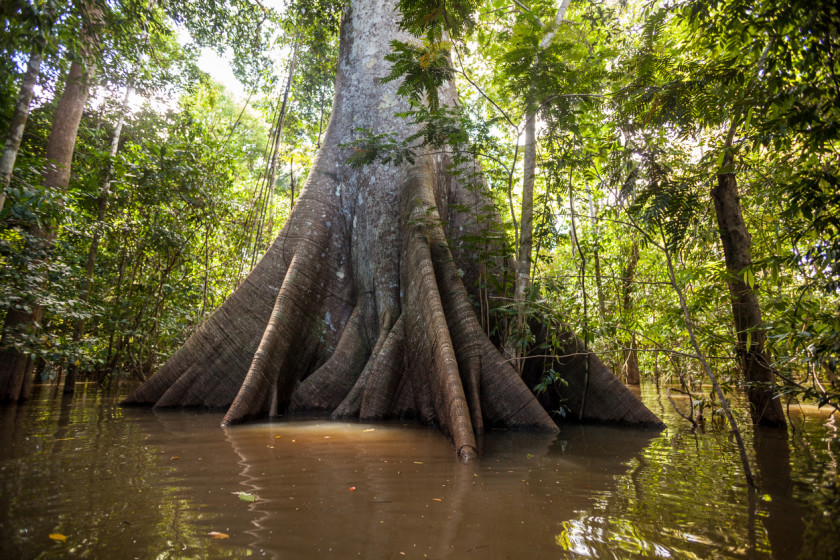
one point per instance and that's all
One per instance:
(136, 483)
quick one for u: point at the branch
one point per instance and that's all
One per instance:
(689, 325)
(677, 410)
(463, 72)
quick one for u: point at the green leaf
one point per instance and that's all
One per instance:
(749, 278)
(246, 497)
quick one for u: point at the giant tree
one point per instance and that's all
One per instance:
(362, 305)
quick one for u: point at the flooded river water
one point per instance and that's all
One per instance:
(85, 478)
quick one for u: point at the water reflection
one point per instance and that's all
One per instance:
(146, 484)
(78, 468)
(370, 491)
(783, 520)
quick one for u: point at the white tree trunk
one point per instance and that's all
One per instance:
(16, 127)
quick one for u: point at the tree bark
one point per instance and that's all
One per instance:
(765, 407)
(56, 177)
(18, 123)
(361, 305)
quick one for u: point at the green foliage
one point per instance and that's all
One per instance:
(177, 197)
(423, 68)
(666, 206)
(431, 18)
(241, 26)
(752, 80)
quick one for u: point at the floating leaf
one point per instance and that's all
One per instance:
(58, 537)
(246, 497)
(218, 535)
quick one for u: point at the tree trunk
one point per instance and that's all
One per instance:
(18, 123)
(631, 356)
(291, 184)
(360, 307)
(596, 258)
(56, 177)
(526, 222)
(526, 235)
(522, 281)
(93, 250)
(765, 408)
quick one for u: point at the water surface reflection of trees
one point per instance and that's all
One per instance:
(156, 483)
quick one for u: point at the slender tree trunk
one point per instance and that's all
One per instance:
(56, 177)
(291, 184)
(93, 250)
(281, 119)
(522, 280)
(273, 163)
(18, 123)
(585, 301)
(206, 271)
(526, 221)
(765, 407)
(105, 371)
(596, 259)
(526, 234)
(631, 356)
(724, 402)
